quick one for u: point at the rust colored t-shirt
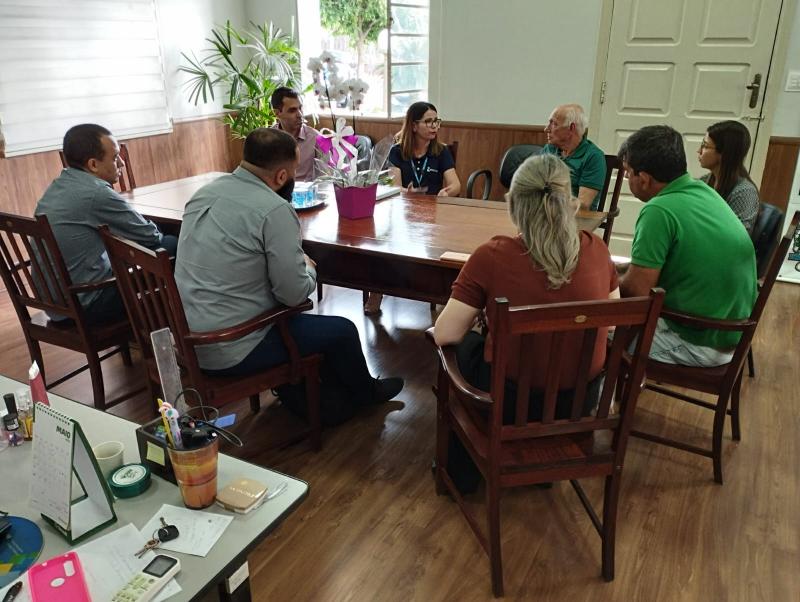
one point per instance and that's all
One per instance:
(503, 267)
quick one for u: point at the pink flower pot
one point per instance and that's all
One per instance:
(355, 203)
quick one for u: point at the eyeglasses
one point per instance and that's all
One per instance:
(431, 123)
(708, 145)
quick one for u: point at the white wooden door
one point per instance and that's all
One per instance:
(687, 64)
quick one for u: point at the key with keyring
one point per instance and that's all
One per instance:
(164, 534)
(150, 545)
(167, 532)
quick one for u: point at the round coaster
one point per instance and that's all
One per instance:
(20, 549)
(129, 480)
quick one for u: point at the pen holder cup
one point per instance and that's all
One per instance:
(152, 442)
(354, 202)
(196, 472)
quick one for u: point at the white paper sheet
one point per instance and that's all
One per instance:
(108, 563)
(199, 531)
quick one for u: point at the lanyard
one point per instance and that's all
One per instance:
(419, 175)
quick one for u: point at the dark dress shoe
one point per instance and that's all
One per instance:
(385, 389)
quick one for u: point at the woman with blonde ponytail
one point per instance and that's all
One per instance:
(549, 261)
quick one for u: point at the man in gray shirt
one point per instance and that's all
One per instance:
(240, 254)
(80, 200)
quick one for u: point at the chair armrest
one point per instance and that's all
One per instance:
(706, 323)
(92, 286)
(232, 333)
(487, 189)
(447, 356)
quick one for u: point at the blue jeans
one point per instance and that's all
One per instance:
(668, 347)
(170, 244)
(335, 338)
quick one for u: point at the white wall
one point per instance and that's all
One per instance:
(511, 61)
(283, 13)
(787, 111)
(184, 26)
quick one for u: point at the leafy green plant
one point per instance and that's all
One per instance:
(250, 65)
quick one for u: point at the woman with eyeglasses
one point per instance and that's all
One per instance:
(722, 153)
(549, 261)
(420, 163)
(419, 160)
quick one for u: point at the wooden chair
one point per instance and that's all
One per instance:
(124, 185)
(612, 164)
(152, 300)
(766, 234)
(722, 381)
(33, 283)
(554, 447)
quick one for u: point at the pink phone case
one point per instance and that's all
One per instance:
(59, 579)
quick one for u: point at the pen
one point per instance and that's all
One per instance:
(13, 591)
(171, 416)
(163, 408)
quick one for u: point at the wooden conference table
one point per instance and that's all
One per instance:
(397, 251)
(222, 568)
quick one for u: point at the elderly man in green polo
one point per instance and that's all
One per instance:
(566, 138)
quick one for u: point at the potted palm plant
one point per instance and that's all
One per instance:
(249, 65)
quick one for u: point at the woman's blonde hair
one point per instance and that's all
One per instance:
(541, 206)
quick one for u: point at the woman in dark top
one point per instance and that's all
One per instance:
(418, 160)
(421, 164)
(722, 152)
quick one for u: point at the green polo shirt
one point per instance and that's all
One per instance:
(587, 167)
(706, 257)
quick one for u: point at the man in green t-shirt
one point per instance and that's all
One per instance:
(566, 138)
(689, 242)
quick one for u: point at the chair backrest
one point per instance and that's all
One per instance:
(765, 235)
(513, 158)
(562, 324)
(774, 267)
(748, 326)
(147, 285)
(33, 268)
(612, 164)
(123, 183)
(364, 148)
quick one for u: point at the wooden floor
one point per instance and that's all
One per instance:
(372, 527)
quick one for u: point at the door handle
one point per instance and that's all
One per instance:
(754, 89)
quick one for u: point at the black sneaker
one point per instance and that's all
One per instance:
(385, 389)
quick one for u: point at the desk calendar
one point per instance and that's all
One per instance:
(60, 450)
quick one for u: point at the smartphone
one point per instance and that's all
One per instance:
(60, 578)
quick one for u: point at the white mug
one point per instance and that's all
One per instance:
(109, 456)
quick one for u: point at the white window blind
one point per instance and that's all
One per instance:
(77, 61)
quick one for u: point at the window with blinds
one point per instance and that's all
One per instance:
(64, 63)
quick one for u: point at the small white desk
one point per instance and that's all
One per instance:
(198, 575)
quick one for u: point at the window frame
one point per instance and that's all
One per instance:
(390, 91)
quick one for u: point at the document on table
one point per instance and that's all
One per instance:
(199, 531)
(108, 564)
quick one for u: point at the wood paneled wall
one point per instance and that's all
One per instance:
(779, 168)
(200, 146)
(192, 148)
(480, 145)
